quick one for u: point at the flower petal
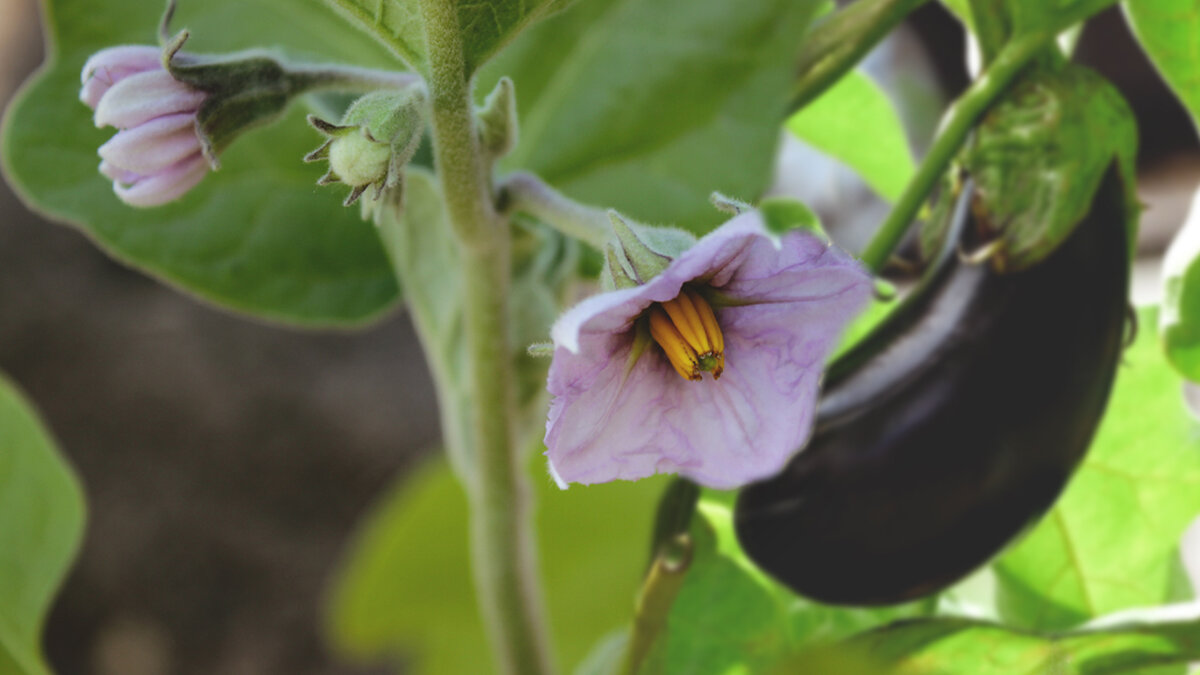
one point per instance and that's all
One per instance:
(164, 186)
(153, 146)
(108, 66)
(142, 97)
(792, 297)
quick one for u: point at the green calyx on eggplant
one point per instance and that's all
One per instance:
(955, 424)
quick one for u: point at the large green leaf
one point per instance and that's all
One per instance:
(256, 236)
(854, 121)
(648, 106)
(945, 646)
(1169, 32)
(405, 588)
(486, 26)
(41, 522)
(729, 615)
(1111, 541)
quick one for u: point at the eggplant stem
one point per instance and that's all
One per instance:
(956, 125)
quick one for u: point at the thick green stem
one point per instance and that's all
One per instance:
(956, 126)
(503, 552)
(526, 192)
(662, 584)
(837, 44)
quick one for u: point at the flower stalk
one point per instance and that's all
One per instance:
(841, 41)
(525, 192)
(502, 540)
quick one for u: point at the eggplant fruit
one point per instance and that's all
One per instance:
(952, 426)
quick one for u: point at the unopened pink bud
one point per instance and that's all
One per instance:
(142, 97)
(154, 145)
(109, 66)
(163, 186)
(156, 155)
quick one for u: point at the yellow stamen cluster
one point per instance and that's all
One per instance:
(689, 335)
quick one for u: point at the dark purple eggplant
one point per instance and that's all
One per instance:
(954, 425)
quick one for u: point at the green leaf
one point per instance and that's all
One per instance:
(256, 236)
(486, 26)
(1169, 31)
(1111, 540)
(405, 587)
(943, 646)
(1179, 320)
(648, 106)
(723, 617)
(41, 524)
(729, 614)
(1039, 155)
(854, 122)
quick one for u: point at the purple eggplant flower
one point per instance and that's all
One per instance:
(156, 155)
(756, 312)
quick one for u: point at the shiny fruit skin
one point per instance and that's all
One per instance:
(953, 426)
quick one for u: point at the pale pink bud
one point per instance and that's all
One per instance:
(157, 188)
(142, 97)
(156, 155)
(108, 66)
(154, 145)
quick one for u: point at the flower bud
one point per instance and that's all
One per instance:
(377, 137)
(156, 155)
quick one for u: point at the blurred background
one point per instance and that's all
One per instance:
(226, 461)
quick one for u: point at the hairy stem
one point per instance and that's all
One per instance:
(840, 41)
(526, 192)
(956, 125)
(307, 78)
(503, 552)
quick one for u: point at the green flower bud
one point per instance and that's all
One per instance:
(376, 138)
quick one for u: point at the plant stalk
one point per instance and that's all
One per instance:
(526, 192)
(313, 78)
(502, 539)
(841, 41)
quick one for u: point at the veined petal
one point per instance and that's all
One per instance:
(153, 146)
(142, 97)
(790, 299)
(164, 186)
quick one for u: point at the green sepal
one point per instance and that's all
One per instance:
(1038, 157)
(244, 90)
(615, 274)
(783, 214)
(643, 251)
(498, 128)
